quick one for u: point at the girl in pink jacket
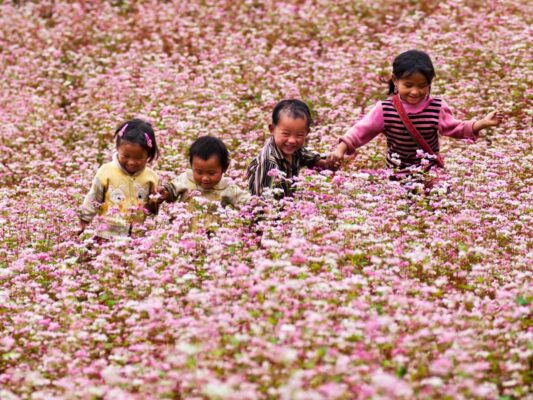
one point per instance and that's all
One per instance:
(411, 80)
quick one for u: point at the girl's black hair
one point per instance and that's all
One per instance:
(294, 109)
(136, 131)
(410, 62)
(207, 146)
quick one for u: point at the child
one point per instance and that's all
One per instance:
(284, 151)
(411, 81)
(121, 189)
(209, 160)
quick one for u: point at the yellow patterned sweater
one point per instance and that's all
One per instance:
(119, 198)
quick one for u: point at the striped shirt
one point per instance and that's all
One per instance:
(271, 158)
(431, 117)
(401, 142)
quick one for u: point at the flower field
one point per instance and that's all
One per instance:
(353, 289)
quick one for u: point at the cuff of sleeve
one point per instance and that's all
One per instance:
(172, 196)
(348, 142)
(318, 158)
(469, 130)
(85, 218)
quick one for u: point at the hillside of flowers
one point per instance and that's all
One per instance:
(352, 289)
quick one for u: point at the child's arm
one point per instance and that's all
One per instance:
(452, 127)
(494, 118)
(91, 204)
(153, 200)
(257, 174)
(359, 134)
(235, 196)
(175, 190)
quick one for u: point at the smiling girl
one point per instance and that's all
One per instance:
(121, 188)
(410, 87)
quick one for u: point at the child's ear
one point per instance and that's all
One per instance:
(271, 128)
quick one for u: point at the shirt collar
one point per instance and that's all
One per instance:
(416, 108)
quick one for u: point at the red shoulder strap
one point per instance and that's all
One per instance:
(412, 129)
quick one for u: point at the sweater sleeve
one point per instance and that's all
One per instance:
(309, 157)
(452, 127)
(235, 196)
(177, 189)
(365, 130)
(93, 200)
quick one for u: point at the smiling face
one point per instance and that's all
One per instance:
(132, 156)
(206, 173)
(413, 88)
(289, 134)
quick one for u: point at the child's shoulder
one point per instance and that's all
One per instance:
(150, 173)
(184, 181)
(107, 168)
(231, 192)
(227, 184)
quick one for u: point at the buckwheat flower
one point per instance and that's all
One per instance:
(441, 366)
(391, 385)
(218, 390)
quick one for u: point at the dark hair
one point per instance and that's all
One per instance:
(409, 63)
(294, 109)
(135, 131)
(207, 146)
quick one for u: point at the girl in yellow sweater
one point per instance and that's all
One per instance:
(120, 192)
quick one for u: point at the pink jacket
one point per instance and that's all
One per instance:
(372, 124)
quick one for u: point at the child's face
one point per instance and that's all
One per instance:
(289, 134)
(413, 88)
(132, 156)
(206, 173)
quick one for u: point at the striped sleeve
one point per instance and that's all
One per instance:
(257, 174)
(309, 157)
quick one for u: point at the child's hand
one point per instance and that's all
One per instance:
(163, 195)
(325, 163)
(494, 118)
(335, 157)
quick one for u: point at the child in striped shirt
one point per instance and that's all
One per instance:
(411, 80)
(284, 154)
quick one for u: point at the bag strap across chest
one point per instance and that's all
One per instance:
(413, 131)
